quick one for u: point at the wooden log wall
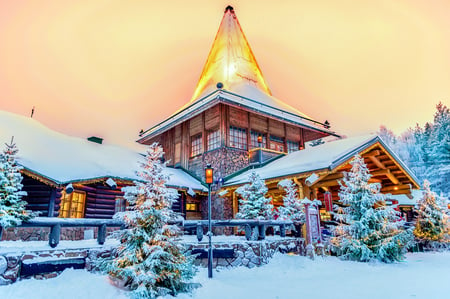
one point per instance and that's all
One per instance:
(39, 196)
(100, 200)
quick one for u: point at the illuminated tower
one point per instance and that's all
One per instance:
(232, 121)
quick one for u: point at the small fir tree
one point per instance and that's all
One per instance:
(368, 228)
(12, 207)
(431, 218)
(149, 260)
(253, 204)
(292, 209)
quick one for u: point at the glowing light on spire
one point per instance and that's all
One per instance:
(230, 61)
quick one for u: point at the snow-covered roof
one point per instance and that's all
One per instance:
(245, 96)
(63, 159)
(328, 155)
(404, 200)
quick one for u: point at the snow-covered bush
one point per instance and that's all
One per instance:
(368, 229)
(431, 222)
(149, 260)
(253, 204)
(12, 207)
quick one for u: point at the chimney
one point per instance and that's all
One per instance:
(95, 139)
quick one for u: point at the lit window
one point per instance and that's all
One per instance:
(72, 205)
(276, 143)
(191, 207)
(121, 204)
(254, 139)
(238, 138)
(196, 145)
(292, 146)
(213, 139)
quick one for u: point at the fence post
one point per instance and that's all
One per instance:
(101, 236)
(282, 230)
(248, 232)
(261, 232)
(199, 231)
(54, 236)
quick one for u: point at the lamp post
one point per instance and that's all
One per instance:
(209, 178)
(260, 149)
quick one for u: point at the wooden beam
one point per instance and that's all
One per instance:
(380, 172)
(396, 188)
(377, 162)
(372, 153)
(327, 183)
(392, 177)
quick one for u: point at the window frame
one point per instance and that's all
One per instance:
(196, 145)
(213, 140)
(68, 199)
(254, 139)
(238, 138)
(291, 146)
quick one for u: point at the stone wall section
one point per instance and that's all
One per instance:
(225, 161)
(41, 233)
(247, 253)
(251, 253)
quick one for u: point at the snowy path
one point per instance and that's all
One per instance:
(421, 276)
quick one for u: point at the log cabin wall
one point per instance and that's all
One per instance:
(41, 197)
(100, 200)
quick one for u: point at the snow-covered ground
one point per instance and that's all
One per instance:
(422, 275)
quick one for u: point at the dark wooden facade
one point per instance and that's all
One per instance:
(99, 201)
(177, 141)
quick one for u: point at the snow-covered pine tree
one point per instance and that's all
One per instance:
(368, 228)
(292, 208)
(253, 204)
(431, 219)
(12, 207)
(149, 260)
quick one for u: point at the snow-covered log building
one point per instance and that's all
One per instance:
(234, 123)
(72, 177)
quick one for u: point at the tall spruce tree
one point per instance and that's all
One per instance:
(12, 207)
(431, 221)
(253, 204)
(368, 229)
(292, 208)
(149, 259)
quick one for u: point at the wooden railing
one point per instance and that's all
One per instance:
(248, 225)
(56, 224)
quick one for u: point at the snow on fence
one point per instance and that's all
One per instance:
(255, 229)
(249, 226)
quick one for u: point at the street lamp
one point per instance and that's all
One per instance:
(209, 178)
(260, 140)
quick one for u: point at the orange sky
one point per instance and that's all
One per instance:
(111, 68)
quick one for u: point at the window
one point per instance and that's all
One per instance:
(254, 139)
(196, 145)
(121, 204)
(292, 146)
(191, 207)
(213, 139)
(238, 138)
(72, 205)
(276, 143)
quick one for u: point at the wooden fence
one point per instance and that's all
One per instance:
(250, 226)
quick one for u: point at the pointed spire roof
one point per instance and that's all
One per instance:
(231, 75)
(230, 61)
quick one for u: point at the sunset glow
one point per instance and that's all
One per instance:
(111, 68)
